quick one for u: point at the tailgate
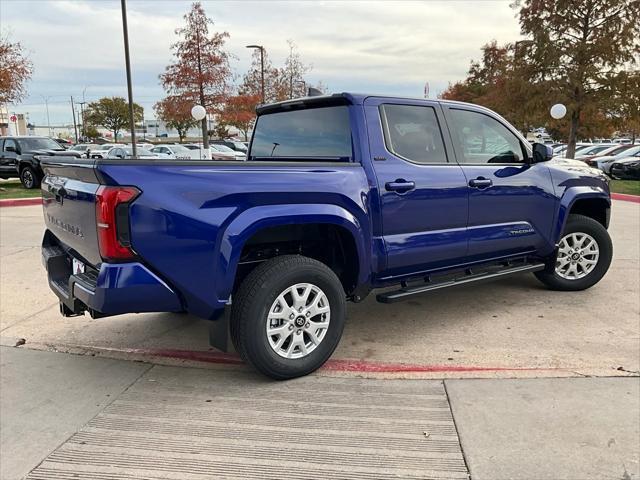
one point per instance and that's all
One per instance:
(69, 203)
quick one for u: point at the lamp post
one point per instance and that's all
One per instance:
(261, 48)
(125, 32)
(198, 112)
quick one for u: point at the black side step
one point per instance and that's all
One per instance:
(398, 295)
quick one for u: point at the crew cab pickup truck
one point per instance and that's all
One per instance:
(340, 195)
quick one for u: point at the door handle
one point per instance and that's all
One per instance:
(400, 186)
(480, 182)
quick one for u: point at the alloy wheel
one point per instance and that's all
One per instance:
(298, 320)
(578, 255)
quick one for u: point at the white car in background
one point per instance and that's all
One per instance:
(222, 152)
(127, 152)
(100, 151)
(561, 151)
(594, 150)
(82, 148)
(178, 152)
(146, 146)
(604, 163)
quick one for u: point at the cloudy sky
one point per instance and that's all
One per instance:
(390, 47)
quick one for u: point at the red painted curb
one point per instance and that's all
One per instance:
(20, 202)
(626, 197)
(361, 366)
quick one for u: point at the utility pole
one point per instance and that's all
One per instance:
(46, 103)
(261, 48)
(84, 134)
(75, 125)
(125, 32)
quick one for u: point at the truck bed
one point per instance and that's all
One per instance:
(190, 214)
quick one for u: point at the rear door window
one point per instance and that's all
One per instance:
(308, 134)
(412, 132)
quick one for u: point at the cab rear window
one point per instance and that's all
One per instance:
(321, 133)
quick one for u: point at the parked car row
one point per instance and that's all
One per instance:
(618, 160)
(192, 151)
(621, 162)
(20, 155)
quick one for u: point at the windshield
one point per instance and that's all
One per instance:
(107, 146)
(39, 144)
(239, 145)
(180, 149)
(139, 151)
(322, 132)
(613, 151)
(223, 148)
(629, 152)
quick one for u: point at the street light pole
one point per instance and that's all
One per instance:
(261, 48)
(125, 32)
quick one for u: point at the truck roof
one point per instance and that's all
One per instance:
(343, 98)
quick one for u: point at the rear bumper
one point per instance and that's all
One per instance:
(112, 290)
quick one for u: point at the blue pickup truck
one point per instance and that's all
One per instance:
(340, 195)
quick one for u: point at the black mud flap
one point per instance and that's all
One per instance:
(219, 334)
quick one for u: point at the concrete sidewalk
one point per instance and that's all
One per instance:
(65, 416)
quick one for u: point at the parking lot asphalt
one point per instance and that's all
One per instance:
(508, 328)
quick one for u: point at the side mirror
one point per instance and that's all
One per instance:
(542, 153)
(10, 148)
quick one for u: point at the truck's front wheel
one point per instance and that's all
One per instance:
(583, 257)
(287, 316)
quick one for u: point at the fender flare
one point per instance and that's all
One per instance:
(31, 162)
(252, 220)
(570, 197)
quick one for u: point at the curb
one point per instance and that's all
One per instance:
(625, 197)
(20, 202)
(357, 366)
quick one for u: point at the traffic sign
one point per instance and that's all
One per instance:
(13, 118)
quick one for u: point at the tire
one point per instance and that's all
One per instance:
(556, 275)
(29, 178)
(263, 292)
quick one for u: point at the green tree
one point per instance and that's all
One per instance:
(112, 113)
(240, 112)
(624, 105)
(500, 81)
(175, 112)
(577, 47)
(252, 80)
(291, 76)
(91, 131)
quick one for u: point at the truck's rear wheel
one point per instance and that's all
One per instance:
(583, 258)
(287, 316)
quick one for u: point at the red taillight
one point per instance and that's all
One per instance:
(112, 218)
